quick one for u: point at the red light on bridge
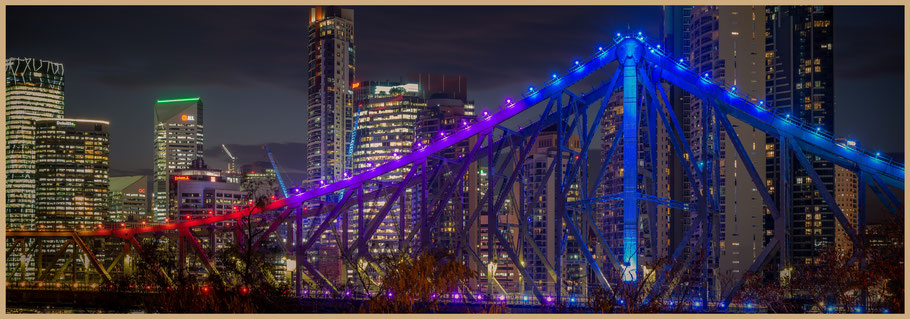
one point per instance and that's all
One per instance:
(166, 220)
(211, 212)
(205, 289)
(143, 222)
(122, 224)
(244, 290)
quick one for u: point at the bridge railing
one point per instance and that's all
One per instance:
(784, 116)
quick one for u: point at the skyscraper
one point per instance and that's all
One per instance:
(675, 33)
(545, 223)
(330, 96)
(846, 194)
(727, 43)
(34, 90)
(129, 199)
(72, 164)
(800, 82)
(387, 117)
(178, 142)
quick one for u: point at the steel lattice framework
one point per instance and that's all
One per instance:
(504, 150)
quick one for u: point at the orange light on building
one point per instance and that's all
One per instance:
(142, 191)
(355, 85)
(212, 179)
(183, 117)
(181, 178)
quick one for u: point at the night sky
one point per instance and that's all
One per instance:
(249, 64)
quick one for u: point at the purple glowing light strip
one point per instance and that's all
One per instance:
(484, 124)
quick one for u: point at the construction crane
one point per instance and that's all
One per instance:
(277, 174)
(233, 163)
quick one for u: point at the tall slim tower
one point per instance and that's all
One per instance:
(330, 104)
(675, 34)
(73, 166)
(800, 82)
(178, 142)
(727, 42)
(34, 90)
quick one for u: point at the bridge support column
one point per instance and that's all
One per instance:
(628, 56)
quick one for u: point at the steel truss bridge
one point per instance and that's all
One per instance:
(642, 70)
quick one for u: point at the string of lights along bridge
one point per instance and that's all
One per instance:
(433, 187)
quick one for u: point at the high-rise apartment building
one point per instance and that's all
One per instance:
(34, 90)
(129, 199)
(846, 195)
(799, 62)
(728, 44)
(330, 95)
(72, 167)
(546, 224)
(178, 142)
(386, 121)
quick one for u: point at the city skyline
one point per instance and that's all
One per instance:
(564, 176)
(123, 87)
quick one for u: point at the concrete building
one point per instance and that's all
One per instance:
(846, 195)
(178, 142)
(387, 117)
(72, 173)
(545, 223)
(34, 90)
(129, 199)
(330, 104)
(728, 43)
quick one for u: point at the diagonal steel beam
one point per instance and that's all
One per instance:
(95, 263)
(759, 263)
(315, 273)
(274, 226)
(374, 223)
(747, 162)
(57, 256)
(328, 220)
(844, 222)
(891, 202)
(142, 253)
(188, 235)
